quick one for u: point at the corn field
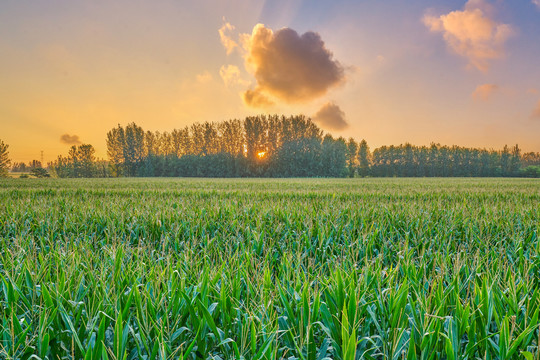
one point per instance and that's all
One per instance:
(269, 269)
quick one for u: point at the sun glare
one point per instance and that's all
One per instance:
(261, 154)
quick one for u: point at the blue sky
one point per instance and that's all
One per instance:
(413, 71)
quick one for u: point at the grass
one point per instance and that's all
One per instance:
(18, 174)
(269, 269)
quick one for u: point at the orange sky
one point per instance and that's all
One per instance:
(453, 72)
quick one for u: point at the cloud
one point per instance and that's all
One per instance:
(226, 40)
(537, 3)
(472, 33)
(255, 98)
(480, 4)
(70, 139)
(536, 112)
(331, 117)
(288, 66)
(231, 75)
(483, 92)
(204, 77)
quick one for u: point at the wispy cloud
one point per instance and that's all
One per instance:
(536, 112)
(226, 39)
(70, 139)
(204, 77)
(472, 33)
(537, 3)
(331, 117)
(484, 92)
(231, 75)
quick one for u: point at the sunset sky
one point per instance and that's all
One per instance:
(453, 72)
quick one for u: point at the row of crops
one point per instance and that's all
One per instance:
(270, 269)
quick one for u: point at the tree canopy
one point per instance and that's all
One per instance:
(279, 146)
(4, 159)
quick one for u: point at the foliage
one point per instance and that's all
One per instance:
(81, 162)
(363, 158)
(19, 167)
(259, 146)
(126, 149)
(269, 269)
(436, 160)
(352, 157)
(278, 146)
(4, 159)
(274, 146)
(530, 171)
(34, 164)
(40, 173)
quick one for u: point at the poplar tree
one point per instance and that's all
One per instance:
(4, 159)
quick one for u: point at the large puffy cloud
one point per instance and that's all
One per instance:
(331, 117)
(288, 66)
(70, 139)
(483, 92)
(472, 33)
(536, 112)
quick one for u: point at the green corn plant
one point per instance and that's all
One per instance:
(269, 269)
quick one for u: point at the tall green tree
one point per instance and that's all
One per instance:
(115, 150)
(530, 159)
(34, 164)
(73, 162)
(87, 160)
(19, 167)
(515, 161)
(81, 162)
(352, 156)
(505, 161)
(363, 158)
(126, 149)
(334, 157)
(232, 135)
(255, 128)
(133, 148)
(298, 158)
(4, 159)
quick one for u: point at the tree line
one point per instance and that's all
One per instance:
(437, 160)
(276, 146)
(81, 162)
(280, 146)
(259, 146)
